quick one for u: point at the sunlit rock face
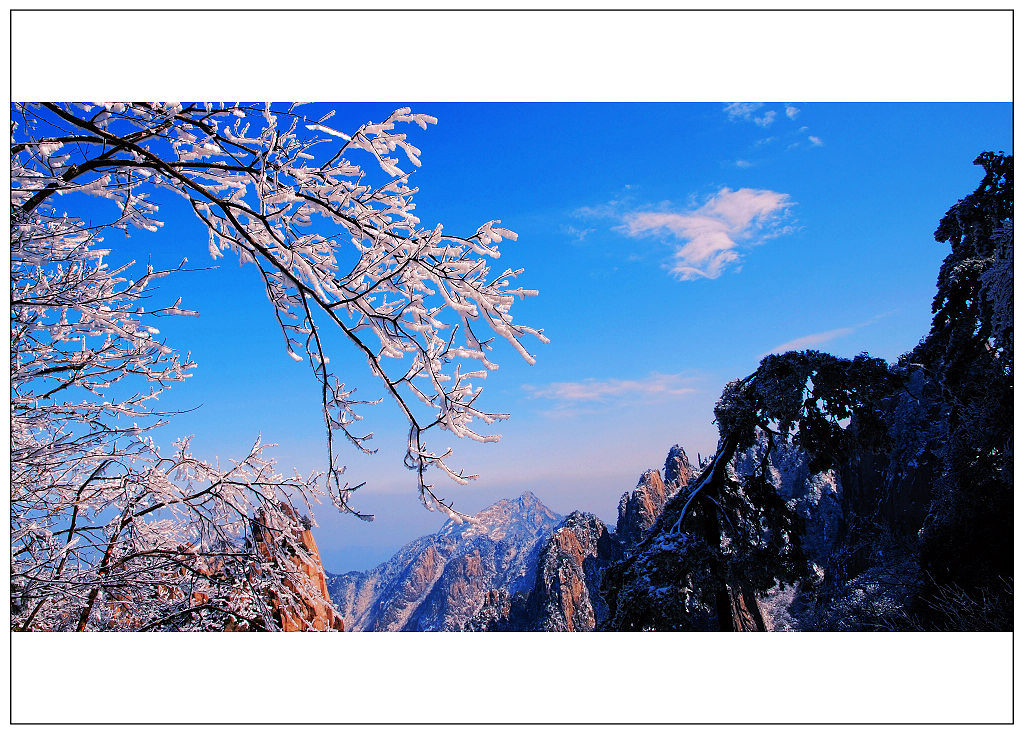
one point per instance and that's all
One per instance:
(307, 609)
(569, 575)
(678, 470)
(440, 582)
(302, 603)
(312, 612)
(640, 508)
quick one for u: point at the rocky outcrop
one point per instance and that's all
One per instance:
(298, 600)
(640, 508)
(678, 470)
(853, 533)
(569, 575)
(566, 595)
(306, 606)
(663, 584)
(513, 569)
(440, 582)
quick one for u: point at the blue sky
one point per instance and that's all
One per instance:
(673, 245)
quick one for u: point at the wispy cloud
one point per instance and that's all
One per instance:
(598, 211)
(750, 112)
(709, 237)
(792, 134)
(655, 386)
(742, 163)
(576, 233)
(611, 209)
(812, 340)
(824, 337)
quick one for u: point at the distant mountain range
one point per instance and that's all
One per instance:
(439, 582)
(515, 566)
(518, 566)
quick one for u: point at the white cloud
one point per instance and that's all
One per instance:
(601, 211)
(743, 164)
(760, 114)
(612, 208)
(742, 110)
(711, 235)
(747, 111)
(592, 390)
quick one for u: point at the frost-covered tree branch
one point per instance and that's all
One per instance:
(99, 513)
(411, 300)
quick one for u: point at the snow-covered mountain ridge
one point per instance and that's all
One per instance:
(514, 566)
(438, 582)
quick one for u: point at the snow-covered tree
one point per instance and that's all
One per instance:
(968, 538)
(923, 448)
(729, 536)
(109, 532)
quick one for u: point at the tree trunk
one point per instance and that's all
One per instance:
(737, 610)
(713, 537)
(746, 613)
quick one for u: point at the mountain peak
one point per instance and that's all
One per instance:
(678, 469)
(526, 506)
(440, 581)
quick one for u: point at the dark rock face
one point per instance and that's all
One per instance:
(859, 528)
(441, 581)
(664, 583)
(874, 570)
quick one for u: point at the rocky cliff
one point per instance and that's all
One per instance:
(566, 594)
(853, 533)
(308, 607)
(640, 508)
(441, 581)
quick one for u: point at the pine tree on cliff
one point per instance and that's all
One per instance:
(731, 537)
(967, 548)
